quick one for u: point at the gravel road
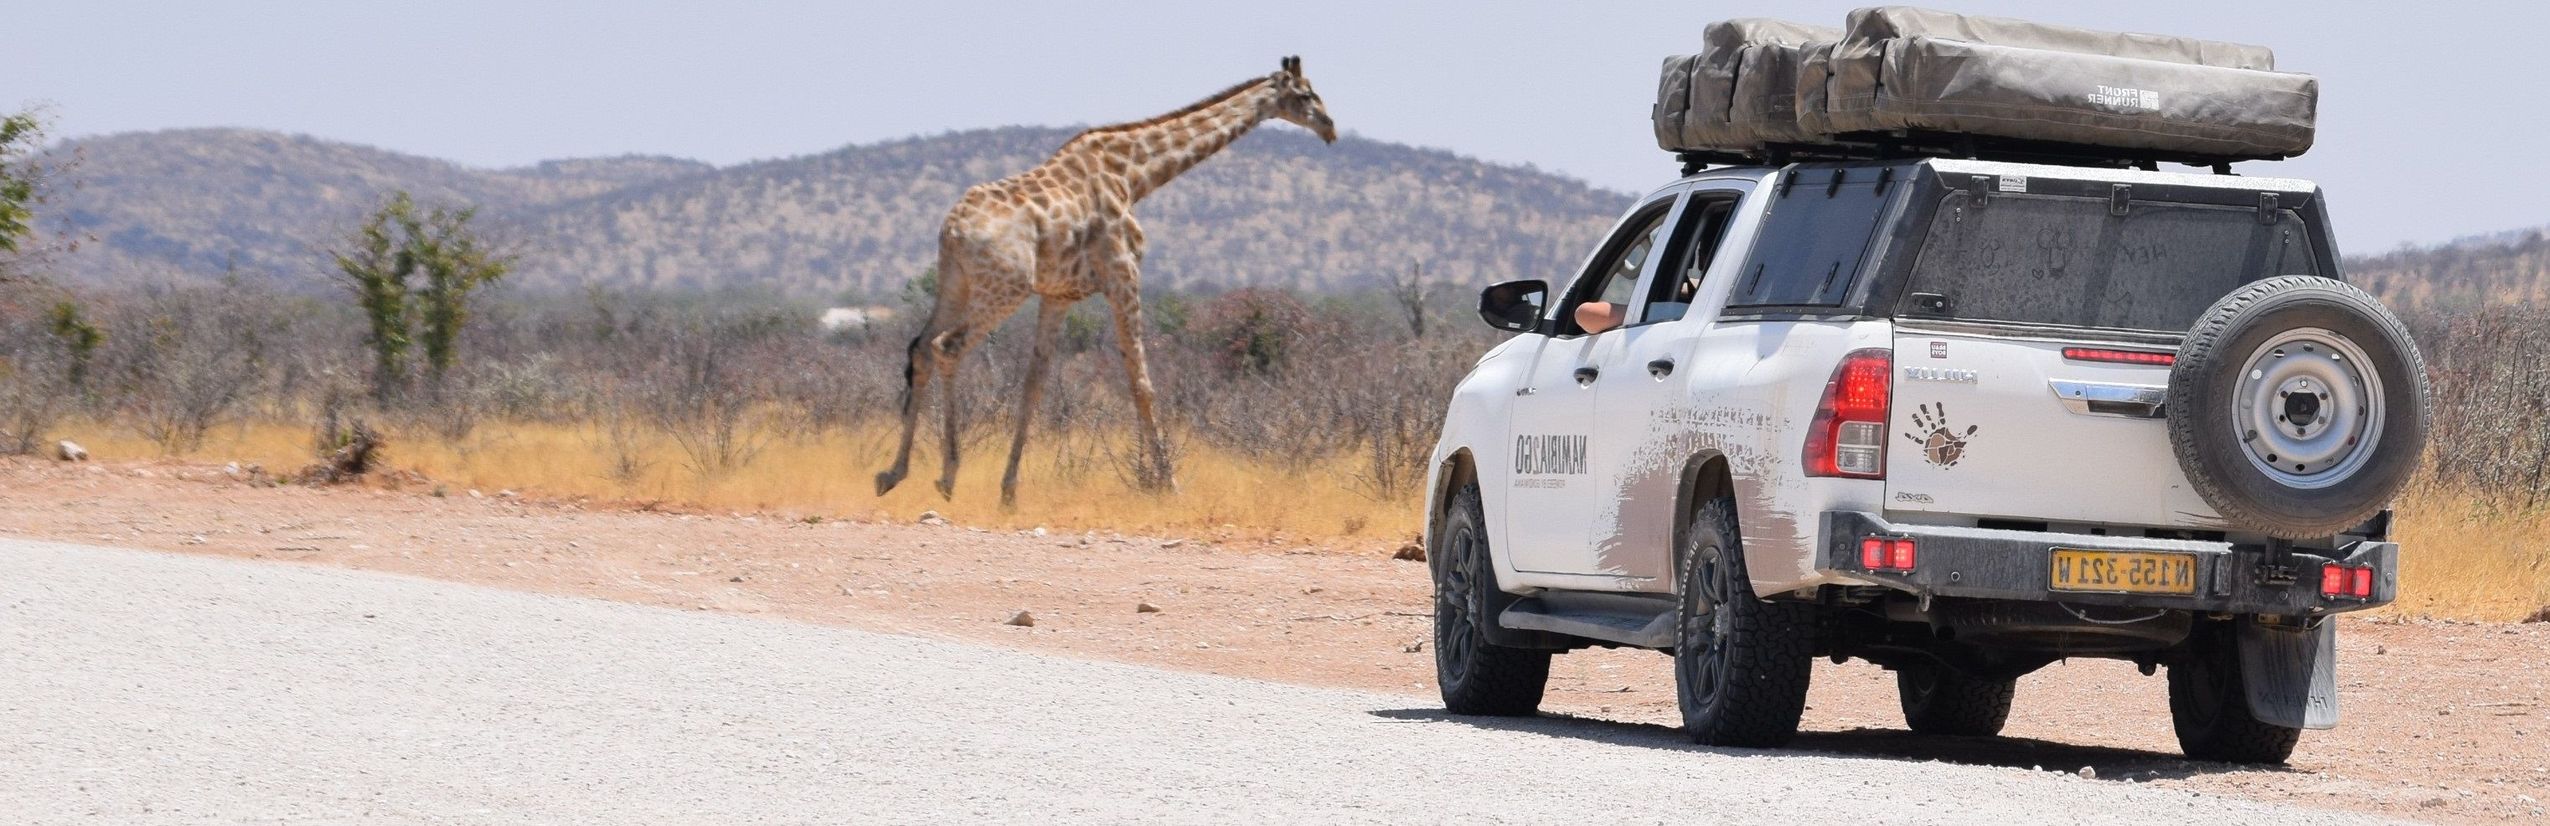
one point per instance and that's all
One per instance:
(140, 687)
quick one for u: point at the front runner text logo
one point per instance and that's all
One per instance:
(2118, 97)
(1549, 454)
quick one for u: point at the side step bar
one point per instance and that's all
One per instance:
(1640, 620)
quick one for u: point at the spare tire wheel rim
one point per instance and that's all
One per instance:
(2308, 408)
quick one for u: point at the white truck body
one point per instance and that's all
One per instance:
(1580, 478)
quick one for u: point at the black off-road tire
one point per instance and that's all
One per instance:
(1945, 701)
(2209, 707)
(2211, 440)
(1477, 676)
(1740, 664)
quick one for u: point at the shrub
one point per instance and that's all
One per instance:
(1252, 331)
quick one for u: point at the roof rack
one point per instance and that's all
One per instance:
(1867, 146)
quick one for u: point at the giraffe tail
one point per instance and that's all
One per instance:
(911, 362)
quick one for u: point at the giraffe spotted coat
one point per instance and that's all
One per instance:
(1065, 231)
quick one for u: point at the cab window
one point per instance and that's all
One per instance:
(1704, 229)
(1602, 298)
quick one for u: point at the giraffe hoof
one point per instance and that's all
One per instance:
(947, 489)
(886, 482)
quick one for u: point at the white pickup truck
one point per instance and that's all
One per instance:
(1957, 418)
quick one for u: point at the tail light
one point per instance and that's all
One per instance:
(1878, 553)
(2346, 581)
(1848, 435)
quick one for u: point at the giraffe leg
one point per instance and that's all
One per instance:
(1049, 318)
(921, 364)
(1154, 472)
(952, 404)
(989, 308)
(914, 383)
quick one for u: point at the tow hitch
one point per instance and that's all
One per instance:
(2276, 567)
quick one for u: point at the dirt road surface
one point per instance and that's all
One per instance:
(150, 687)
(2444, 721)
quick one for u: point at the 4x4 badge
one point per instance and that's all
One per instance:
(1940, 443)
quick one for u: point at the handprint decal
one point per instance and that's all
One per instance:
(1940, 442)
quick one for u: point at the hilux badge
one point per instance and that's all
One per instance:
(1941, 374)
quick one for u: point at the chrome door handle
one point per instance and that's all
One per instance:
(1660, 368)
(1586, 375)
(2132, 401)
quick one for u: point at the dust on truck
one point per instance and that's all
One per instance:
(1925, 361)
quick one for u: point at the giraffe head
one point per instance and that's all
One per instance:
(1297, 103)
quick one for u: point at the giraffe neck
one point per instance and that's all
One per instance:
(1149, 156)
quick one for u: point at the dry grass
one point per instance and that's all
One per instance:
(832, 476)
(2465, 556)
(2471, 556)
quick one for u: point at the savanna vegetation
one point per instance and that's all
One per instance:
(1295, 413)
(1286, 416)
(1306, 417)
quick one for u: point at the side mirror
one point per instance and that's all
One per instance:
(1514, 306)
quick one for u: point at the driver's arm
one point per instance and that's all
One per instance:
(1597, 316)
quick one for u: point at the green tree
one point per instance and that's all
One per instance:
(79, 337)
(21, 186)
(412, 271)
(455, 263)
(376, 266)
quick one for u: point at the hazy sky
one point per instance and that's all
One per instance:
(2427, 130)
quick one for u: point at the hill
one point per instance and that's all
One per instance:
(1277, 209)
(2498, 268)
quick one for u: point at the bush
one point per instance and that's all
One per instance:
(36, 390)
(700, 386)
(2491, 394)
(190, 358)
(1252, 331)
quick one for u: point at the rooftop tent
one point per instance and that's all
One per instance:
(1739, 91)
(1897, 73)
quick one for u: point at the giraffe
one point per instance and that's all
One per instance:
(1062, 232)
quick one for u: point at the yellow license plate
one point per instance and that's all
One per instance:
(2122, 572)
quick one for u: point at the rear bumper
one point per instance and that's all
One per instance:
(2015, 565)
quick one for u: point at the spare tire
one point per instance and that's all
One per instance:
(2298, 407)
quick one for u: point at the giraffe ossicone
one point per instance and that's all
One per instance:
(1065, 231)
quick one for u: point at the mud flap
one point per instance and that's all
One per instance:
(2290, 673)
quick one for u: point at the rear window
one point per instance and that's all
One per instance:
(2041, 259)
(1814, 238)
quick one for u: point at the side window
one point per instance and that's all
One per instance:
(1814, 237)
(1601, 299)
(1704, 225)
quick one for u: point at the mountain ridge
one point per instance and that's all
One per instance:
(859, 221)
(1277, 209)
